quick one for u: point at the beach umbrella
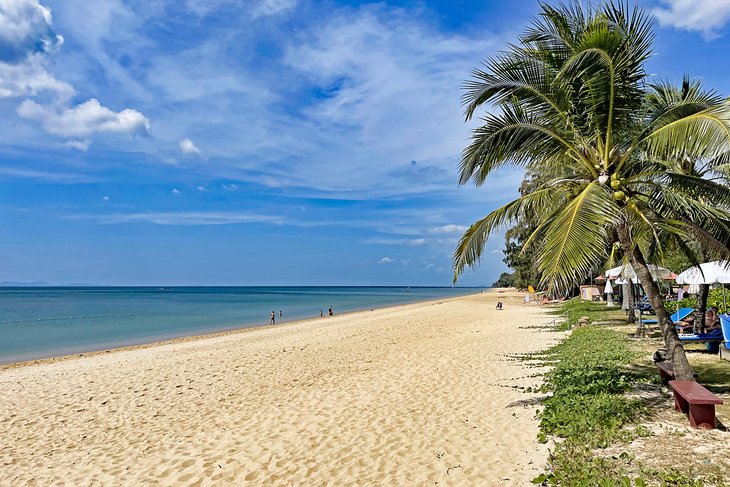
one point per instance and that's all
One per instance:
(609, 293)
(716, 272)
(694, 288)
(626, 273)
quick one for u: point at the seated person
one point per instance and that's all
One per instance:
(712, 320)
(686, 325)
(499, 304)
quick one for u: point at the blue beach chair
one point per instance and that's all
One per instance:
(713, 339)
(725, 325)
(678, 315)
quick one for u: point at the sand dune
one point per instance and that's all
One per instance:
(411, 395)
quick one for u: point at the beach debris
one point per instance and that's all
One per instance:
(449, 469)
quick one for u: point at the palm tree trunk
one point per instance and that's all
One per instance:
(702, 308)
(628, 298)
(675, 350)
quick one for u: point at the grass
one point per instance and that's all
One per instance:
(593, 413)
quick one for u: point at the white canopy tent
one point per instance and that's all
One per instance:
(716, 272)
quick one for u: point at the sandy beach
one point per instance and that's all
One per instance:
(419, 394)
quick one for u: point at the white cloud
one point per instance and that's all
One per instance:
(416, 242)
(81, 145)
(273, 7)
(27, 44)
(189, 148)
(26, 41)
(450, 228)
(84, 119)
(496, 251)
(377, 71)
(230, 187)
(176, 191)
(105, 198)
(200, 188)
(28, 78)
(50, 176)
(386, 260)
(181, 218)
(22, 24)
(705, 16)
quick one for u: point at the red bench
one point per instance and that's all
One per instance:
(666, 372)
(690, 397)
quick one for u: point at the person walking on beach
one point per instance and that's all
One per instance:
(330, 311)
(321, 313)
(273, 318)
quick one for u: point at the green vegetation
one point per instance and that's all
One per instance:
(714, 298)
(505, 280)
(587, 407)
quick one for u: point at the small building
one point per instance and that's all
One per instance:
(589, 292)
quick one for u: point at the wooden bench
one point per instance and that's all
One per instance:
(693, 399)
(666, 372)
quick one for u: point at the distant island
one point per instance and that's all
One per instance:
(42, 284)
(24, 284)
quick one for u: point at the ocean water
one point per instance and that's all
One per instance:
(51, 321)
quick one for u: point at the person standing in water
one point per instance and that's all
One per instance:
(273, 318)
(330, 311)
(321, 313)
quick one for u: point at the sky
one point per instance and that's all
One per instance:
(262, 142)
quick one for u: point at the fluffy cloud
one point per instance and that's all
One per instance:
(26, 40)
(84, 119)
(189, 148)
(706, 16)
(25, 28)
(451, 228)
(386, 260)
(273, 7)
(29, 78)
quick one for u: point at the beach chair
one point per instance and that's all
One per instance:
(713, 339)
(678, 315)
(724, 346)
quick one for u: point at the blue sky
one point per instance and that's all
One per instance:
(261, 142)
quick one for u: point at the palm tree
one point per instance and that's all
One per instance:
(572, 103)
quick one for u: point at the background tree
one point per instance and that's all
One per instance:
(572, 104)
(506, 279)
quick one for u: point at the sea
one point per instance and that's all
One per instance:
(42, 322)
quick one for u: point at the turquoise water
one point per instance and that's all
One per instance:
(48, 321)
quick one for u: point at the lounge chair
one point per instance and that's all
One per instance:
(678, 315)
(725, 327)
(714, 335)
(713, 339)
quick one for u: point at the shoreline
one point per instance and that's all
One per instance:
(415, 394)
(239, 329)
